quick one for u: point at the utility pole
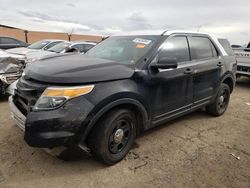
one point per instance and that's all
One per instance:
(26, 36)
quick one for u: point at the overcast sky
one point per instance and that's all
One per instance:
(230, 18)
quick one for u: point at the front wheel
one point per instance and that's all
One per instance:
(112, 137)
(220, 104)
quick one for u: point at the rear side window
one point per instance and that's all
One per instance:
(226, 45)
(201, 48)
(176, 47)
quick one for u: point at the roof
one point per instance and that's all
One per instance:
(170, 32)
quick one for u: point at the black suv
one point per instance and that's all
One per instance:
(8, 42)
(123, 86)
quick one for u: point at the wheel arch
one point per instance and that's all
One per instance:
(134, 105)
(229, 80)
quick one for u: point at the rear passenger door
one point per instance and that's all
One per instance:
(206, 65)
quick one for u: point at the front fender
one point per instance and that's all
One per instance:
(111, 105)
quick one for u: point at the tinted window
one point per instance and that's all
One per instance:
(226, 45)
(201, 48)
(176, 47)
(6, 40)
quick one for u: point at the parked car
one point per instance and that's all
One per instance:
(63, 47)
(40, 45)
(123, 86)
(9, 42)
(11, 67)
(243, 61)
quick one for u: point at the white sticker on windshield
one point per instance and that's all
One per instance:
(142, 41)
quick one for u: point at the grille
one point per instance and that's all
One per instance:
(27, 93)
(243, 68)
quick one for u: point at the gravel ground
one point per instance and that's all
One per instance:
(193, 151)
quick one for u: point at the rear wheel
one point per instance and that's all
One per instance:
(112, 137)
(220, 104)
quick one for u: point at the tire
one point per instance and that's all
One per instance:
(113, 135)
(220, 104)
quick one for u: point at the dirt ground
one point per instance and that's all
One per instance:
(193, 151)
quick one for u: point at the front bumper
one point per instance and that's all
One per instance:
(16, 115)
(243, 70)
(243, 67)
(49, 129)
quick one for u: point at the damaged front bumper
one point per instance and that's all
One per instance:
(49, 129)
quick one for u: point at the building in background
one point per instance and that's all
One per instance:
(33, 36)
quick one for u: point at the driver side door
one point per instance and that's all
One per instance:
(171, 92)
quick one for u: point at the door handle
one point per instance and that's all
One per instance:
(188, 71)
(220, 64)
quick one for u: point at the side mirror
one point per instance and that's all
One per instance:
(165, 63)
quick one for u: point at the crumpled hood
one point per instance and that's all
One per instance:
(77, 69)
(21, 50)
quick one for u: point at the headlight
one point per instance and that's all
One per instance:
(54, 97)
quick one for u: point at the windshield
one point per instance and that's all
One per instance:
(38, 45)
(59, 47)
(123, 49)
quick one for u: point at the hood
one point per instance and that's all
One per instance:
(22, 50)
(38, 54)
(77, 69)
(4, 54)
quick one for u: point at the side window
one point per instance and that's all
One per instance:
(176, 47)
(6, 40)
(88, 47)
(83, 47)
(79, 47)
(201, 48)
(226, 45)
(51, 45)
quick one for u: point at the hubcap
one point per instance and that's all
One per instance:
(118, 136)
(221, 99)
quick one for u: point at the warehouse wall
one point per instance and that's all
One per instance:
(34, 36)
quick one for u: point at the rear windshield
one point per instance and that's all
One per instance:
(38, 45)
(226, 45)
(123, 49)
